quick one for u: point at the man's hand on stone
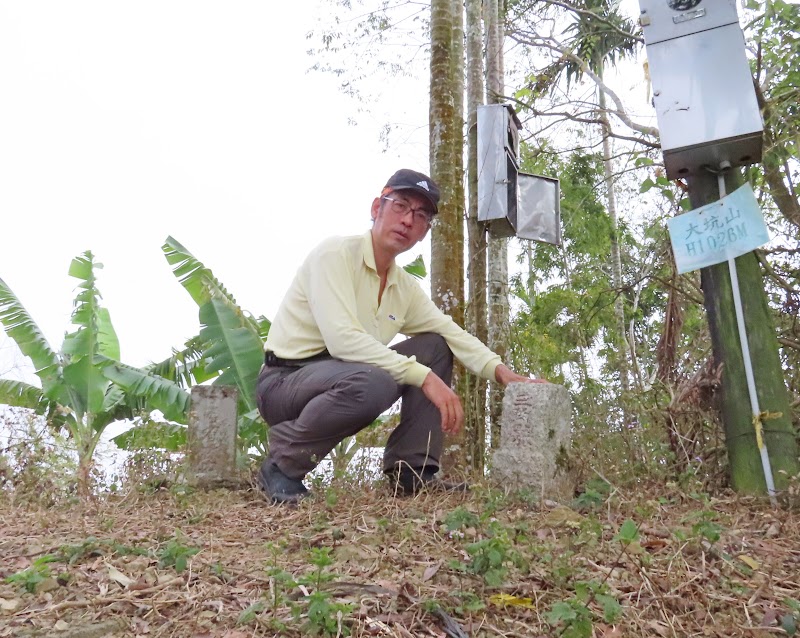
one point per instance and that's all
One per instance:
(503, 374)
(447, 401)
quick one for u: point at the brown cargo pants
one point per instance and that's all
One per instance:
(313, 406)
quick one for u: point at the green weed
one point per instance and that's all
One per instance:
(175, 554)
(575, 616)
(35, 574)
(323, 615)
(460, 518)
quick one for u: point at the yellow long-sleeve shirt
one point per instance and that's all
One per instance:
(333, 303)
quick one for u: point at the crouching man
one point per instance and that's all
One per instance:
(328, 370)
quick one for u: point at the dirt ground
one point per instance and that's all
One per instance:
(353, 560)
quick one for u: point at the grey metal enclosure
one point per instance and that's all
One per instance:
(512, 203)
(702, 85)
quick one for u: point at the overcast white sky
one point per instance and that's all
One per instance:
(123, 123)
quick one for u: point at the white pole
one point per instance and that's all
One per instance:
(748, 364)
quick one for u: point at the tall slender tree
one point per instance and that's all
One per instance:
(497, 246)
(446, 124)
(475, 405)
(446, 143)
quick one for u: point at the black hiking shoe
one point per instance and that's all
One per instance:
(409, 481)
(279, 487)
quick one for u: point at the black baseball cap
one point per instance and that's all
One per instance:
(407, 180)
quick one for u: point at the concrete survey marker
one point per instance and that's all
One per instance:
(212, 437)
(535, 440)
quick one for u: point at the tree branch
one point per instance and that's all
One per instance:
(619, 111)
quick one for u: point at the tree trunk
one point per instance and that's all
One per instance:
(446, 159)
(498, 247)
(620, 339)
(446, 142)
(85, 444)
(745, 464)
(475, 404)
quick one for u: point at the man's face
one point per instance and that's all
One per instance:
(401, 219)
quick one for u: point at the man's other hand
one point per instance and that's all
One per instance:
(440, 394)
(505, 375)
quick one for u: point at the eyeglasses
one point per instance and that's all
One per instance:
(401, 209)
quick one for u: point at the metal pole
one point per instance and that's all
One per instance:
(748, 364)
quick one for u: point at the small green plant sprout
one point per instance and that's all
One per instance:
(595, 494)
(321, 558)
(250, 614)
(575, 615)
(704, 527)
(460, 518)
(281, 581)
(326, 617)
(790, 621)
(628, 533)
(490, 556)
(175, 554)
(38, 572)
(574, 618)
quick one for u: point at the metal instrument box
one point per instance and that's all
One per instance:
(512, 203)
(498, 166)
(702, 85)
(667, 19)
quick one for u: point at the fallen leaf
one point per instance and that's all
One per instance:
(772, 531)
(501, 600)
(752, 563)
(141, 626)
(660, 628)
(654, 544)
(389, 585)
(61, 625)
(430, 571)
(117, 576)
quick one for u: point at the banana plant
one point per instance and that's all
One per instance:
(230, 346)
(84, 386)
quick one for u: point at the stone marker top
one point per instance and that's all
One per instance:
(528, 405)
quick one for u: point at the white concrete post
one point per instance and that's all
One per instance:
(535, 440)
(212, 436)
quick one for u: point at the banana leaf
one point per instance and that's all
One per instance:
(95, 336)
(19, 394)
(234, 350)
(161, 394)
(200, 282)
(152, 435)
(29, 338)
(185, 367)
(416, 268)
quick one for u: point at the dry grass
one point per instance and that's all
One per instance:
(690, 566)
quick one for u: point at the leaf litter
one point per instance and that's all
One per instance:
(355, 561)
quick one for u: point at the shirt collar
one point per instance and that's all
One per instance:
(369, 259)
